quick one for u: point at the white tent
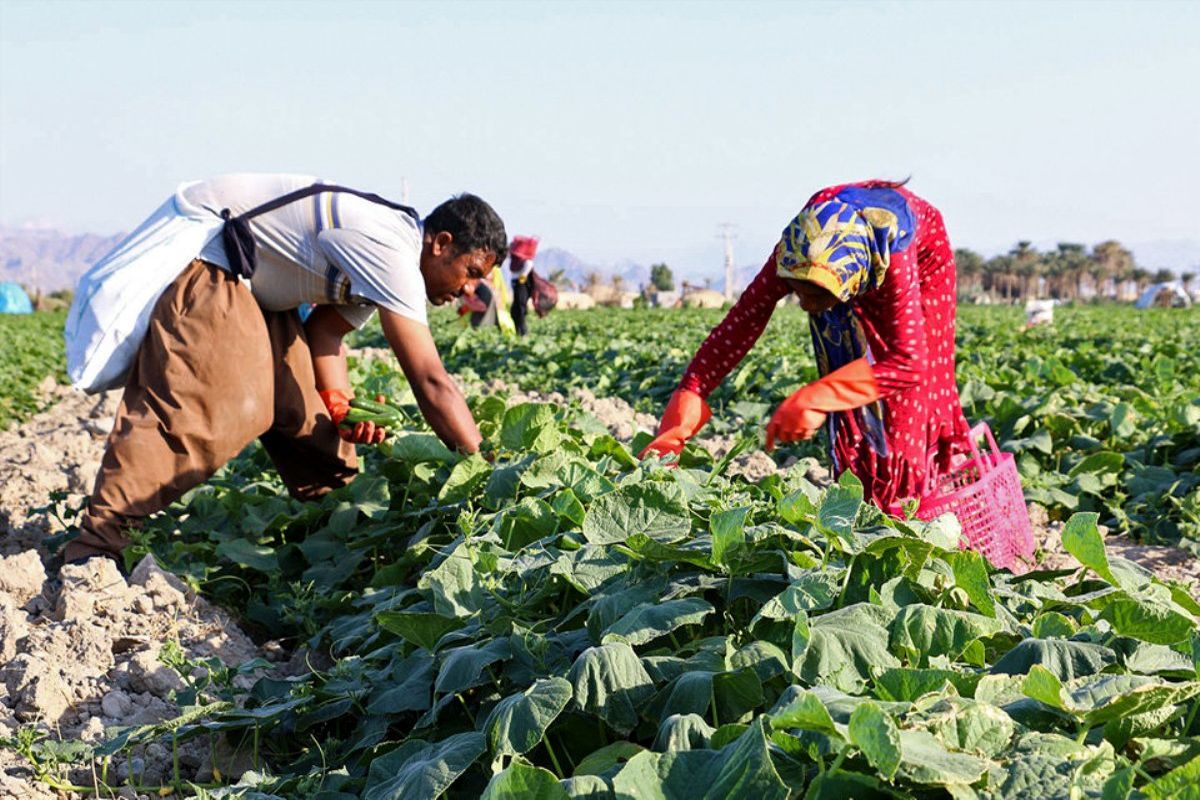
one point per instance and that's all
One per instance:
(1164, 294)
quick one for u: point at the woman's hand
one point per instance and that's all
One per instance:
(685, 415)
(794, 421)
(802, 415)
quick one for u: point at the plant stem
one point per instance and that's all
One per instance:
(553, 758)
(712, 694)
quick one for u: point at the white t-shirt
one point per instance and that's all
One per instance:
(331, 248)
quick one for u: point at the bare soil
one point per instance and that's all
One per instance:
(1168, 563)
(80, 645)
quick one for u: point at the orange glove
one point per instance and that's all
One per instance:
(802, 415)
(685, 415)
(337, 401)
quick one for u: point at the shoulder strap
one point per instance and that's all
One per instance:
(317, 188)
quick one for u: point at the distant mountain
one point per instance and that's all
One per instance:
(50, 259)
(576, 270)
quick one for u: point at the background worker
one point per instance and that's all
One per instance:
(873, 267)
(520, 266)
(227, 361)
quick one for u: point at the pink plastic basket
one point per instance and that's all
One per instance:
(984, 492)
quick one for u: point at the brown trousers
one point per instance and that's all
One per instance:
(214, 373)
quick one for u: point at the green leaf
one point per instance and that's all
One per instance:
(683, 732)
(464, 479)
(813, 591)
(519, 721)
(839, 508)
(567, 506)
(1081, 538)
(587, 787)
(1044, 686)
(526, 522)
(805, 712)
(455, 587)
(907, 684)
(921, 632)
(970, 726)
(1148, 621)
(601, 761)
(844, 649)
(524, 782)
(247, 554)
(655, 510)
(417, 448)
(410, 687)
(1182, 783)
(422, 628)
(648, 621)
(876, 735)
(610, 682)
(1052, 625)
(728, 533)
(417, 770)
(1122, 421)
(462, 667)
(741, 769)
(923, 759)
(1119, 785)
(530, 426)
(1065, 659)
(971, 575)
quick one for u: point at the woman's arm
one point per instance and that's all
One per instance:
(729, 342)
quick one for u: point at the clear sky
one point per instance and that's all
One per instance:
(618, 130)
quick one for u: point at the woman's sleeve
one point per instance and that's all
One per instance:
(732, 339)
(894, 312)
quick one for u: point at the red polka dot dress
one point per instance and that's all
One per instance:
(908, 324)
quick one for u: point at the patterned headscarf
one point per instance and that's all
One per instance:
(845, 245)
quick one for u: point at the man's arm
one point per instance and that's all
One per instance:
(325, 329)
(439, 399)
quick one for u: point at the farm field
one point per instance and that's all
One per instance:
(32, 351)
(565, 621)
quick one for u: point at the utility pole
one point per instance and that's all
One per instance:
(727, 235)
(404, 191)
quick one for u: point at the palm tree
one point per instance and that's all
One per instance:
(1163, 276)
(1068, 265)
(1027, 265)
(969, 266)
(1111, 260)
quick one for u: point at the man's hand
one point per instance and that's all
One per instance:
(440, 402)
(337, 401)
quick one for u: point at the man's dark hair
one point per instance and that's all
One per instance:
(473, 223)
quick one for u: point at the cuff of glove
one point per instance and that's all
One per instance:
(686, 414)
(337, 401)
(847, 387)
